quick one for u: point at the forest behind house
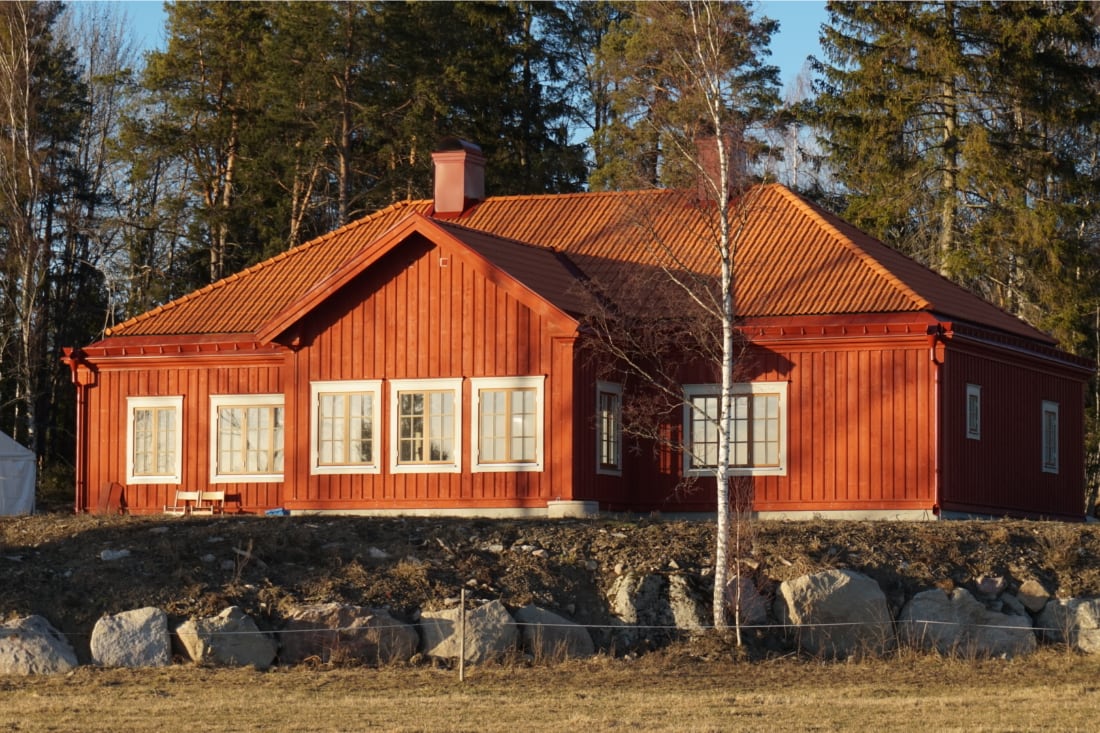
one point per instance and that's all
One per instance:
(964, 134)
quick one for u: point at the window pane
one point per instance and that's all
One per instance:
(250, 440)
(143, 439)
(608, 425)
(426, 427)
(166, 441)
(344, 431)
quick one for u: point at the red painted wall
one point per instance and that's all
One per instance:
(1003, 468)
(860, 433)
(196, 376)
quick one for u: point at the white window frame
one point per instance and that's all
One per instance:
(973, 412)
(1050, 444)
(479, 384)
(742, 388)
(602, 439)
(345, 388)
(175, 475)
(247, 401)
(397, 386)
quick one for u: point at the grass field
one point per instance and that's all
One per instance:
(1053, 690)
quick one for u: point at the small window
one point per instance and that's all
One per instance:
(609, 432)
(757, 428)
(973, 412)
(345, 426)
(425, 429)
(247, 441)
(507, 424)
(154, 441)
(1050, 437)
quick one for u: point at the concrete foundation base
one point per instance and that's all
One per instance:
(572, 509)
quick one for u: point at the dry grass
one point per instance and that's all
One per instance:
(1052, 690)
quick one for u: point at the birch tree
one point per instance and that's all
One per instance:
(41, 102)
(691, 85)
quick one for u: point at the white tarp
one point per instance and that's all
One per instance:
(16, 477)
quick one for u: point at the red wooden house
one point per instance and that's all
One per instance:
(427, 359)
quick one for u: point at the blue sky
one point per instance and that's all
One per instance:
(799, 21)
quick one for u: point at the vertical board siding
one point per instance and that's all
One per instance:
(415, 318)
(860, 430)
(860, 435)
(106, 404)
(1003, 469)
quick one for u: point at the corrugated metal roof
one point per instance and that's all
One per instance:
(541, 269)
(792, 258)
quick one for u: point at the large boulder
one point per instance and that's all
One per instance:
(339, 632)
(231, 638)
(1033, 595)
(137, 638)
(490, 632)
(957, 623)
(836, 613)
(688, 610)
(30, 645)
(741, 592)
(641, 604)
(546, 635)
(1073, 621)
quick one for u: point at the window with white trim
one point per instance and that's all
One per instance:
(154, 441)
(344, 416)
(757, 429)
(507, 424)
(1050, 437)
(973, 412)
(247, 440)
(425, 425)
(609, 432)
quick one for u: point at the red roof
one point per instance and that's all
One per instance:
(793, 258)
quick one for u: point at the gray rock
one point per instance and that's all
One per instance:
(991, 586)
(231, 639)
(957, 623)
(836, 613)
(137, 638)
(688, 612)
(754, 609)
(30, 645)
(1074, 621)
(1012, 605)
(546, 635)
(639, 602)
(334, 632)
(490, 632)
(1033, 595)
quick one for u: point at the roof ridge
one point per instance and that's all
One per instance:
(586, 194)
(870, 260)
(262, 264)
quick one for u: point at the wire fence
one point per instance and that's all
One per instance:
(624, 626)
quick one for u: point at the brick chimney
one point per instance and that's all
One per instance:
(708, 160)
(459, 176)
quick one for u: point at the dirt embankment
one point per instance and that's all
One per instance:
(53, 564)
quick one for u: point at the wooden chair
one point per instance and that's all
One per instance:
(210, 502)
(185, 503)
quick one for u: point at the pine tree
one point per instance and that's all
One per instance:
(955, 130)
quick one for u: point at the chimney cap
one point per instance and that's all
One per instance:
(449, 144)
